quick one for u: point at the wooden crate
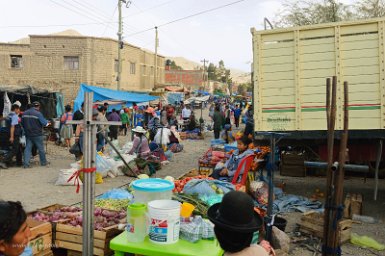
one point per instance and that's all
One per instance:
(353, 205)
(71, 238)
(312, 223)
(292, 165)
(41, 237)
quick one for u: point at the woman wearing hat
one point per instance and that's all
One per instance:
(66, 130)
(140, 143)
(235, 222)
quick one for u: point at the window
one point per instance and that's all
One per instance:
(71, 62)
(16, 61)
(152, 70)
(116, 65)
(144, 70)
(132, 68)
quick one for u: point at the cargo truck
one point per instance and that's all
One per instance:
(290, 67)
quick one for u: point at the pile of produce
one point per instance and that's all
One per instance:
(179, 184)
(200, 206)
(72, 215)
(112, 204)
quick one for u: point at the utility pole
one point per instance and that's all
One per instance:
(204, 73)
(119, 45)
(156, 56)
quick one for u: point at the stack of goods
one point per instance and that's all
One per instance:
(69, 222)
(195, 134)
(211, 158)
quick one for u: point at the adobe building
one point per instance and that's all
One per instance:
(63, 60)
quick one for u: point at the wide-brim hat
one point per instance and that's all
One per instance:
(139, 129)
(235, 213)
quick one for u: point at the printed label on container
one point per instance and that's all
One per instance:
(130, 228)
(158, 230)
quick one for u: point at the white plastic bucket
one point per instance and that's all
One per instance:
(164, 221)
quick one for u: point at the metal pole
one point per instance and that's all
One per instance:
(156, 56)
(347, 167)
(120, 44)
(89, 178)
(378, 160)
(270, 178)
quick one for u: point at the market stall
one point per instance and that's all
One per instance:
(101, 94)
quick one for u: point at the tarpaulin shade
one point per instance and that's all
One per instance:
(101, 94)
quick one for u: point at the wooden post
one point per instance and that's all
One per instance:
(331, 118)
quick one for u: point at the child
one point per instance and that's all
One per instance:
(231, 166)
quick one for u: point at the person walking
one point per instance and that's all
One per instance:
(66, 131)
(14, 136)
(113, 117)
(125, 120)
(237, 114)
(78, 115)
(33, 122)
(219, 121)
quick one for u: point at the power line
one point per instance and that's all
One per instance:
(94, 9)
(202, 12)
(188, 16)
(75, 11)
(150, 8)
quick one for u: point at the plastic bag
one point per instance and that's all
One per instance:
(260, 191)
(102, 166)
(196, 229)
(63, 177)
(365, 241)
(207, 187)
(116, 193)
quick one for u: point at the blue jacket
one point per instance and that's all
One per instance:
(33, 122)
(235, 159)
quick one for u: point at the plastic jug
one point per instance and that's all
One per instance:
(136, 222)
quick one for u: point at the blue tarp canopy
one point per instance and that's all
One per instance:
(101, 94)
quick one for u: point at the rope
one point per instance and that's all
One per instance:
(76, 174)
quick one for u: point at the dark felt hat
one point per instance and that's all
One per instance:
(235, 213)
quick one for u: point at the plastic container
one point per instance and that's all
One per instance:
(147, 190)
(186, 210)
(136, 223)
(164, 221)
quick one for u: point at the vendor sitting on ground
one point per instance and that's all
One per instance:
(227, 172)
(235, 222)
(140, 143)
(192, 125)
(14, 231)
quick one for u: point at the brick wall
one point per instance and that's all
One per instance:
(189, 78)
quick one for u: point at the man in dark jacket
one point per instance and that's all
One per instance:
(78, 115)
(33, 123)
(14, 136)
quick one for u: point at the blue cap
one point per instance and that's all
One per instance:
(153, 185)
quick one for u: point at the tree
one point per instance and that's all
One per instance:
(174, 66)
(243, 88)
(211, 69)
(370, 9)
(310, 12)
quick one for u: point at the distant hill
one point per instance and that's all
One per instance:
(239, 76)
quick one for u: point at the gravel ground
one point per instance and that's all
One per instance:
(35, 189)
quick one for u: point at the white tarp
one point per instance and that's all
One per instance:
(7, 105)
(197, 99)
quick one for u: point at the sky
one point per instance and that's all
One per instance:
(221, 34)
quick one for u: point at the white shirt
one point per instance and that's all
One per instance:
(186, 113)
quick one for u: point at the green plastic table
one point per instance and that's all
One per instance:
(120, 245)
